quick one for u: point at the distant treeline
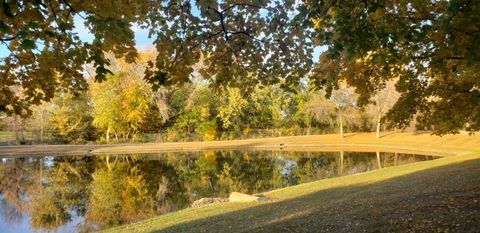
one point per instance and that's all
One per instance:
(125, 108)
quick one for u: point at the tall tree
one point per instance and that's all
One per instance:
(301, 113)
(430, 47)
(231, 108)
(199, 114)
(322, 109)
(108, 114)
(384, 100)
(266, 107)
(136, 97)
(70, 118)
(378, 91)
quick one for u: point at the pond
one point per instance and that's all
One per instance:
(88, 193)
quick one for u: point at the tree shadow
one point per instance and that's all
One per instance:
(444, 198)
(385, 134)
(350, 135)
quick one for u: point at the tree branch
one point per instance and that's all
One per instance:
(8, 39)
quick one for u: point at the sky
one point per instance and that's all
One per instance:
(141, 35)
(141, 38)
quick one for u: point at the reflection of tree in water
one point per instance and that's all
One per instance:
(321, 165)
(164, 183)
(118, 194)
(314, 166)
(15, 180)
(60, 191)
(9, 214)
(220, 173)
(46, 211)
(47, 194)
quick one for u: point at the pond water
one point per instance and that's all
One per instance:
(88, 193)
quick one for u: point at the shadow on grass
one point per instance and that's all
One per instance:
(385, 134)
(445, 198)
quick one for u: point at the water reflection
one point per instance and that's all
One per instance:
(83, 194)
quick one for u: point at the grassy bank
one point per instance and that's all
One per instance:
(442, 195)
(406, 142)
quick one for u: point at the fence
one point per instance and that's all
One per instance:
(35, 137)
(230, 135)
(25, 137)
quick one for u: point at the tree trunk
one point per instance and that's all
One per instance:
(341, 126)
(107, 162)
(379, 118)
(378, 160)
(41, 127)
(108, 135)
(309, 126)
(378, 130)
(15, 125)
(395, 160)
(41, 170)
(341, 162)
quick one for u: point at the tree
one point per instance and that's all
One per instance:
(136, 96)
(120, 104)
(378, 92)
(344, 101)
(31, 129)
(38, 123)
(266, 107)
(244, 42)
(108, 114)
(334, 109)
(147, 110)
(429, 47)
(231, 109)
(301, 113)
(70, 118)
(198, 114)
(321, 109)
(384, 101)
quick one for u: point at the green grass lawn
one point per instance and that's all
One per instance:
(441, 195)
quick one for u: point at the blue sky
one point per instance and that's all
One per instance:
(141, 35)
(141, 38)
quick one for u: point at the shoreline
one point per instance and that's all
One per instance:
(362, 142)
